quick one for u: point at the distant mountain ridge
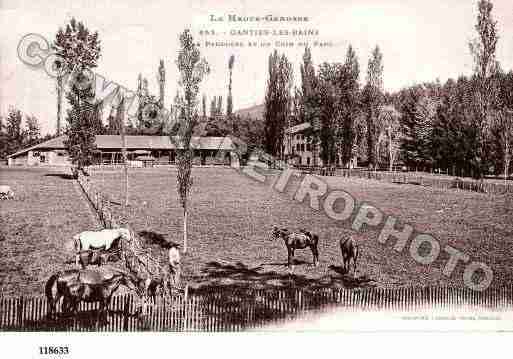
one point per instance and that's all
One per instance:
(255, 112)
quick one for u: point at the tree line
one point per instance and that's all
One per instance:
(18, 131)
(465, 125)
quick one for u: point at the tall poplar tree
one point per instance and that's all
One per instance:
(192, 69)
(278, 100)
(372, 99)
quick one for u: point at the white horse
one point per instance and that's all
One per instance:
(6, 192)
(98, 239)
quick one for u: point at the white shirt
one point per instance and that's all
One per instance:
(174, 257)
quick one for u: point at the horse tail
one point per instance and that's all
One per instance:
(51, 293)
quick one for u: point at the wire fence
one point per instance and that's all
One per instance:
(414, 179)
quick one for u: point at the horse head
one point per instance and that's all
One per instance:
(125, 234)
(278, 233)
(275, 233)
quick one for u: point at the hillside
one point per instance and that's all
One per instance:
(255, 112)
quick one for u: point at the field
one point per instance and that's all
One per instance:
(37, 226)
(231, 218)
(230, 221)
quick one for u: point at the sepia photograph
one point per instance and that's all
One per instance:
(259, 167)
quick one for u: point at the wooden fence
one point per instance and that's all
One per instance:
(218, 309)
(412, 178)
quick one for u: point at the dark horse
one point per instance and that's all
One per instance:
(295, 241)
(88, 285)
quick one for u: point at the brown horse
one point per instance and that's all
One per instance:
(349, 251)
(88, 285)
(295, 241)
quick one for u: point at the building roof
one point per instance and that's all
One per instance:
(140, 143)
(298, 128)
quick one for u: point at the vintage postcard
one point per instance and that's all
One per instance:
(255, 166)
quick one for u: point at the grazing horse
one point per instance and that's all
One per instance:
(98, 239)
(295, 241)
(86, 285)
(349, 250)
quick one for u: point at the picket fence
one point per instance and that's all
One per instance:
(218, 309)
(411, 178)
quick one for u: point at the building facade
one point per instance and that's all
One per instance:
(300, 150)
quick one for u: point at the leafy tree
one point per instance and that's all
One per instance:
(307, 104)
(328, 111)
(14, 132)
(349, 105)
(504, 125)
(278, 99)
(3, 140)
(80, 143)
(229, 103)
(391, 131)
(204, 106)
(79, 49)
(192, 69)
(33, 130)
(372, 99)
(483, 49)
(219, 108)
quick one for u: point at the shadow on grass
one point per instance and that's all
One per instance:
(60, 175)
(237, 296)
(158, 239)
(284, 264)
(240, 276)
(352, 282)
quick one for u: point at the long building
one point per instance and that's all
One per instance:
(141, 150)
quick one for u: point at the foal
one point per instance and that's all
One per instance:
(295, 241)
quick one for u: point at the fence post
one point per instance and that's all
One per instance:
(126, 312)
(186, 308)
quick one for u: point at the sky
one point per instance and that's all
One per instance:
(420, 40)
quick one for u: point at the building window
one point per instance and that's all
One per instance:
(302, 147)
(298, 137)
(298, 147)
(308, 161)
(308, 147)
(300, 160)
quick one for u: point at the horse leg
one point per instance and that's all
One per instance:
(52, 303)
(354, 261)
(176, 277)
(315, 253)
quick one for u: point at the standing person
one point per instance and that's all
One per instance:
(174, 263)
